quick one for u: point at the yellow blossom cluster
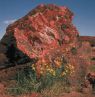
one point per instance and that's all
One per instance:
(51, 70)
(69, 70)
(33, 67)
(44, 69)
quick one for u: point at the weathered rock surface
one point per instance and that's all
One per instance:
(44, 33)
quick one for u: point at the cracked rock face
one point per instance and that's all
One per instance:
(45, 32)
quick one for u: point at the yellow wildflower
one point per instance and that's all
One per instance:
(41, 72)
(63, 73)
(33, 66)
(66, 71)
(53, 73)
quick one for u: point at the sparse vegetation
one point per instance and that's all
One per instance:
(26, 81)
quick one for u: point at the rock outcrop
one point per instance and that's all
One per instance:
(43, 34)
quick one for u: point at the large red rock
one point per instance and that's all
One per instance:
(43, 34)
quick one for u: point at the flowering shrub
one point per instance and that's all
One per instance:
(51, 74)
(65, 70)
(27, 80)
(69, 70)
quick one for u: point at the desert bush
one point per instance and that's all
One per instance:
(56, 90)
(50, 78)
(26, 82)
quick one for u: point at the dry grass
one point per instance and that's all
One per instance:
(56, 90)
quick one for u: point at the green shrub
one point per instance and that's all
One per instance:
(26, 82)
(57, 88)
